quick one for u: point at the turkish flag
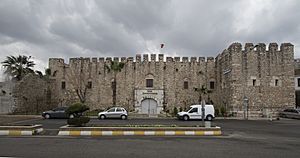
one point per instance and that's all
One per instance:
(162, 45)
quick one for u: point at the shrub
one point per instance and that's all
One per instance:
(78, 121)
(180, 109)
(217, 112)
(77, 109)
(175, 111)
(223, 111)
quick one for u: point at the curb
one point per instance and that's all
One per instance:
(126, 131)
(20, 130)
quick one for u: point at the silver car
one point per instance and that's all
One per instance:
(290, 113)
(115, 112)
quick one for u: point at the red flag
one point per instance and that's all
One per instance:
(162, 45)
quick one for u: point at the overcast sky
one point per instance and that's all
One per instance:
(98, 28)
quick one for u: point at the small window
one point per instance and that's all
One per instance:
(298, 82)
(212, 85)
(119, 110)
(254, 82)
(54, 73)
(276, 82)
(186, 85)
(89, 85)
(63, 85)
(149, 83)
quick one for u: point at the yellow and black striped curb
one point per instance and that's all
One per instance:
(20, 130)
(135, 131)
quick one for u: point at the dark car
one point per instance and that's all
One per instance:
(59, 112)
(290, 113)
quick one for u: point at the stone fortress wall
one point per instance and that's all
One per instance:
(265, 77)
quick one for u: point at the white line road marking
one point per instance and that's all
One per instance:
(189, 133)
(26, 133)
(85, 133)
(149, 133)
(208, 133)
(4, 132)
(64, 133)
(128, 133)
(107, 133)
(170, 133)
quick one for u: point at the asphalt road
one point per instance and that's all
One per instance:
(241, 138)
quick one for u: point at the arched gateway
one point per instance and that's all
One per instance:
(149, 106)
(149, 101)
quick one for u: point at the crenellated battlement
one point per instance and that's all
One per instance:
(160, 58)
(260, 47)
(138, 59)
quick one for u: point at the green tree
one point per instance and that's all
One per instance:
(115, 67)
(18, 66)
(203, 91)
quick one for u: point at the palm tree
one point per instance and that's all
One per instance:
(115, 67)
(18, 66)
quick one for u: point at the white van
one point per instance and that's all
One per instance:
(195, 112)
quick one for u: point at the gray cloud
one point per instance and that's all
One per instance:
(58, 28)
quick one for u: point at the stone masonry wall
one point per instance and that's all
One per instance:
(168, 75)
(264, 76)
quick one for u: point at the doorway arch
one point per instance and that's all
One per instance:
(149, 106)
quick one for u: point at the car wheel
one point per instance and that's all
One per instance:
(123, 117)
(47, 116)
(185, 117)
(71, 116)
(102, 117)
(209, 118)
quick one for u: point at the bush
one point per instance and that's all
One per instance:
(223, 111)
(77, 109)
(217, 112)
(78, 121)
(175, 111)
(180, 109)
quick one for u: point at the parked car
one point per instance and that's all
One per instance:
(195, 112)
(290, 113)
(115, 112)
(59, 112)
